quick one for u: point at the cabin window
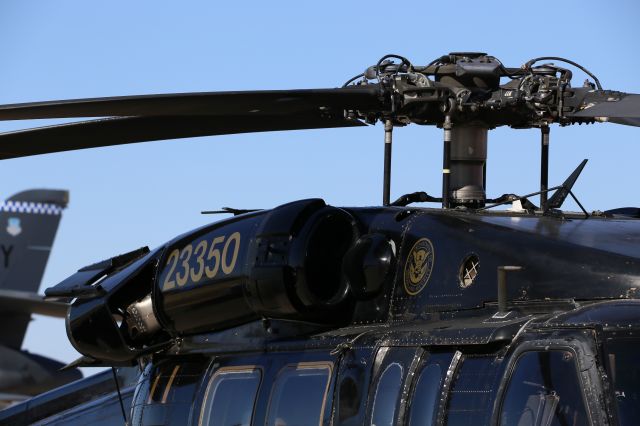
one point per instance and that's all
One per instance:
(348, 399)
(472, 391)
(624, 373)
(299, 395)
(426, 395)
(544, 389)
(386, 398)
(230, 397)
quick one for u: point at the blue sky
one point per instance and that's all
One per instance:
(126, 197)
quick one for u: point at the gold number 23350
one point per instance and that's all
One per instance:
(191, 263)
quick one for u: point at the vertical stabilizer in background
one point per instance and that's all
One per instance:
(28, 224)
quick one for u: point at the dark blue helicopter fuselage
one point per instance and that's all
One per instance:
(410, 333)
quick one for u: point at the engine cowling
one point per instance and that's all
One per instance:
(285, 263)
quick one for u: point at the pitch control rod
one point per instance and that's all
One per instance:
(386, 184)
(446, 161)
(544, 166)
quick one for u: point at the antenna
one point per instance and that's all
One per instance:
(556, 200)
(115, 379)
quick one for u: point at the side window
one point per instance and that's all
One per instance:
(386, 397)
(348, 399)
(544, 389)
(166, 391)
(230, 397)
(299, 395)
(472, 391)
(426, 392)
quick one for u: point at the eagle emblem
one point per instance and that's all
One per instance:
(418, 266)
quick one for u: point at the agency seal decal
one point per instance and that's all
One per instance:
(13, 226)
(418, 267)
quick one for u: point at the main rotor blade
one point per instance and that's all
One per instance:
(249, 103)
(626, 121)
(118, 131)
(617, 107)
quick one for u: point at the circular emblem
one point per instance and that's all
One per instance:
(418, 266)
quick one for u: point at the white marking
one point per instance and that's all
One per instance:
(516, 206)
(30, 208)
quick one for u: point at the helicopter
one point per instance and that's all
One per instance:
(311, 314)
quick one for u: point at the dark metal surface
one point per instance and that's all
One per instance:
(562, 259)
(451, 332)
(118, 131)
(25, 373)
(615, 314)
(236, 104)
(21, 301)
(79, 394)
(613, 105)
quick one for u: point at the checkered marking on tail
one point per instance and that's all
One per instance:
(30, 208)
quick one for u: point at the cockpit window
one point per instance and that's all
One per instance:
(230, 397)
(299, 395)
(544, 389)
(624, 372)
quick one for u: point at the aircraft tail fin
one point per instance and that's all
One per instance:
(28, 224)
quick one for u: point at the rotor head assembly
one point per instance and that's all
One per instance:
(469, 93)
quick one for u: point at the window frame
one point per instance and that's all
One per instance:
(445, 389)
(306, 365)
(408, 358)
(355, 364)
(423, 364)
(458, 364)
(396, 408)
(617, 336)
(582, 373)
(248, 368)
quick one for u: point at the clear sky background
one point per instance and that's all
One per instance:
(126, 197)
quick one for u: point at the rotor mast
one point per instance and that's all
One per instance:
(463, 174)
(465, 139)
